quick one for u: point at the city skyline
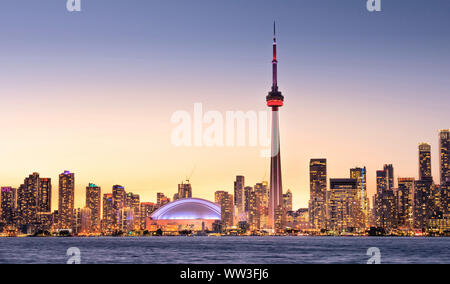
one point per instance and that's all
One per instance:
(367, 103)
(413, 207)
(185, 187)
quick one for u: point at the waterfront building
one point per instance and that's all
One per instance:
(66, 200)
(93, 202)
(318, 193)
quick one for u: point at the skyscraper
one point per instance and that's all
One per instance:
(226, 202)
(287, 200)
(318, 193)
(161, 199)
(28, 200)
(8, 204)
(343, 205)
(108, 213)
(133, 202)
(444, 161)
(405, 201)
(389, 171)
(385, 200)
(424, 203)
(360, 174)
(262, 206)
(45, 195)
(425, 161)
(93, 202)
(444, 153)
(239, 197)
(424, 197)
(119, 199)
(147, 208)
(184, 190)
(66, 200)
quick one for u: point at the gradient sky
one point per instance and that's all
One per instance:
(93, 92)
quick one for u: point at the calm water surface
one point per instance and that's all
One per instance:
(213, 250)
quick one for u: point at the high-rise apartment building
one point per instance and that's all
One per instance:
(425, 161)
(147, 208)
(343, 205)
(287, 200)
(184, 190)
(161, 199)
(28, 200)
(8, 205)
(94, 204)
(405, 202)
(444, 169)
(385, 200)
(108, 213)
(66, 200)
(45, 195)
(318, 193)
(239, 197)
(226, 202)
(360, 174)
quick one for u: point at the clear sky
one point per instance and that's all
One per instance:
(93, 92)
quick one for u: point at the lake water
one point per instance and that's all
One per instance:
(226, 250)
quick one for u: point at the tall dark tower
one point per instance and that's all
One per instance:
(275, 100)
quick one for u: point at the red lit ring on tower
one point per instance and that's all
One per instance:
(275, 103)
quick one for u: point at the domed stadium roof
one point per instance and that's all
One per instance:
(188, 209)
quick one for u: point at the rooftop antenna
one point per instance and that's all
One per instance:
(190, 175)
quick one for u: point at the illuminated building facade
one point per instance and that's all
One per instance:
(184, 190)
(119, 199)
(66, 200)
(424, 203)
(424, 189)
(161, 199)
(343, 205)
(108, 213)
(318, 193)
(239, 197)
(193, 214)
(86, 226)
(8, 205)
(360, 174)
(27, 200)
(287, 200)
(385, 200)
(133, 203)
(405, 202)
(226, 202)
(425, 161)
(94, 203)
(45, 195)
(444, 161)
(147, 208)
(253, 216)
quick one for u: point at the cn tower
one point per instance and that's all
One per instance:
(275, 101)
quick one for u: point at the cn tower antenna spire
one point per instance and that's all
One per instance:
(274, 30)
(274, 61)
